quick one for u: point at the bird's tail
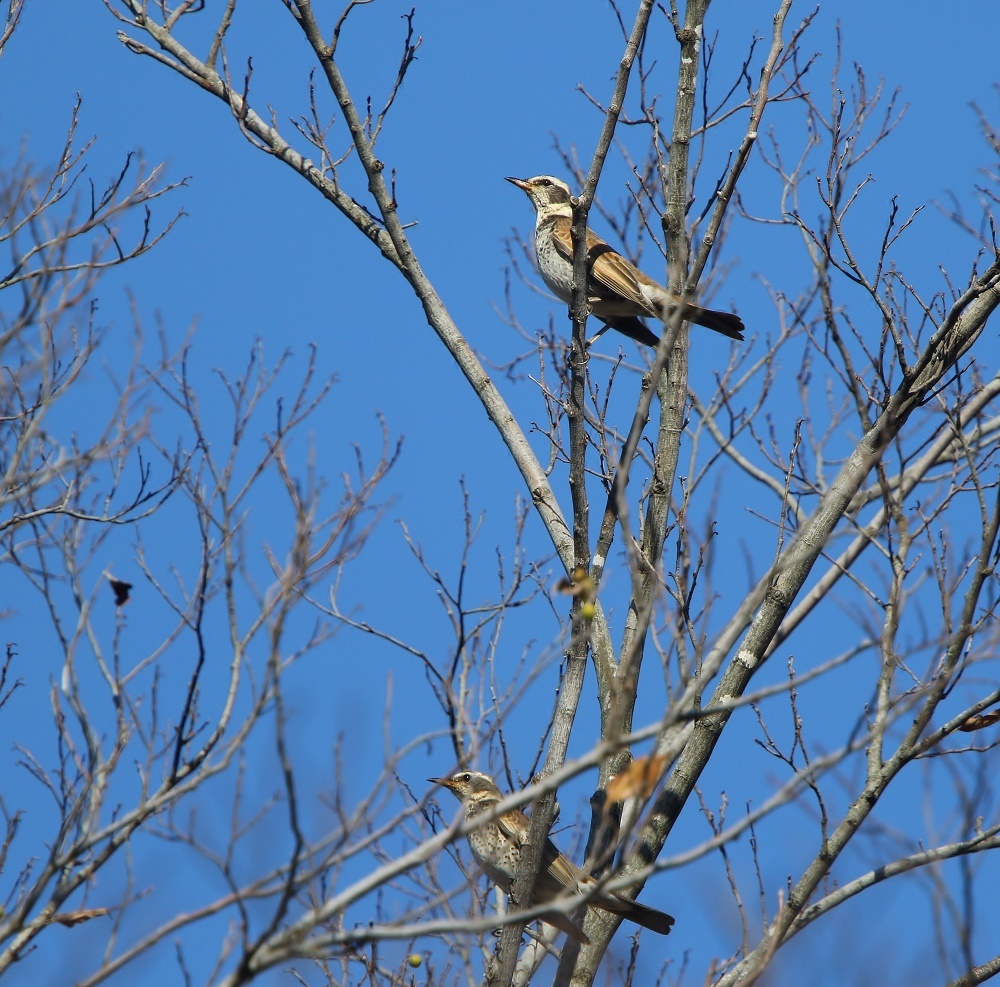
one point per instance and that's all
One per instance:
(725, 322)
(634, 911)
(650, 918)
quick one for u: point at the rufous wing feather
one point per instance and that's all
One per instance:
(610, 274)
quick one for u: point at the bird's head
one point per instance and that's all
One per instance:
(550, 196)
(469, 786)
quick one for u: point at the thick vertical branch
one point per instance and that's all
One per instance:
(605, 663)
(617, 704)
(672, 390)
(673, 384)
(543, 811)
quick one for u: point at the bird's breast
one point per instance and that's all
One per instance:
(556, 270)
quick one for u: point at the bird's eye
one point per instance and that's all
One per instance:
(545, 182)
(465, 777)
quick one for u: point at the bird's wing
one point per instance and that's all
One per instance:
(557, 874)
(608, 269)
(560, 868)
(514, 825)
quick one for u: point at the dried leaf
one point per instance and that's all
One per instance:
(81, 915)
(637, 780)
(980, 721)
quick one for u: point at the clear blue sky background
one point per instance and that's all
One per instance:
(260, 256)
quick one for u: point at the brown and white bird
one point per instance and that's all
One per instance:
(618, 293)
(496, 845)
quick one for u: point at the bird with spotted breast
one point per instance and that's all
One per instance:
(497, 844)
(618, 293)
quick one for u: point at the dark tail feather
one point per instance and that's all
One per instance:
(636, 329)
(650, 918)
(725, 322)
(634, 911)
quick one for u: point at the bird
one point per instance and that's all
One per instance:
(497, 844)
(618, 293)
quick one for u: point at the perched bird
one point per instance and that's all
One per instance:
(618, 292)
(496, 845)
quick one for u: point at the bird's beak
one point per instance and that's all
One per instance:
(519, 182)
(443, 782)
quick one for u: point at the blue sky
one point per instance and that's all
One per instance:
(259, 256)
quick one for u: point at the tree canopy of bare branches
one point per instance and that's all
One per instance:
(731, 634)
